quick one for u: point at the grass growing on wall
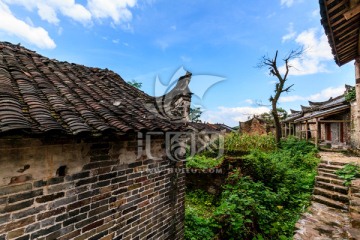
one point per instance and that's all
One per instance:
(265, 204)
(233, 142)
(203, 162)
(246, 143)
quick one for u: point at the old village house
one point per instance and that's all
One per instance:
(341, 22)
(326, 123)
(334, 123)
(83, 154)
(256, 125)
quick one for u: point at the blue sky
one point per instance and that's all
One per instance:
(214, 39)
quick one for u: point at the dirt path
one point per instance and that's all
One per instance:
(322, 222)
(339, 157)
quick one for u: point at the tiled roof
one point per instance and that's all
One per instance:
(323, 113)
(340, 20)
(210, 127)
(319, 109)
(293, 116)
(38, 95)
(315, 104)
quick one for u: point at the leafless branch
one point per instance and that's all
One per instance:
(272, 65)
(287, 89)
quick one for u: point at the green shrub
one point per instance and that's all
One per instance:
(246, 143)
(199, 221)
(263, 204)
(203, 162)
(349, 172)
(350, 95)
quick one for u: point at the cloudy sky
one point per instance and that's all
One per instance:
(219, 41)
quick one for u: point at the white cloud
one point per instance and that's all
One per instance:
(288, 3)
(117, 10)
(60, 31)
(315, 13)
(291, 33)
(47, 10)
(232, 116)
(316, 53)
(16, 27)
(47, 13)
(173, 27)
(327, 93)
(323, 95)
(249, 101)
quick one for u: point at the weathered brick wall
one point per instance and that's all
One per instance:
(106, 192)
(355, 126)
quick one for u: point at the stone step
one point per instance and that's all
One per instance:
(333, 163)
(330, 180)
(354, 233)
(329, 175)
(332, 187)
(355, 209)
(332, 195)
(355, 202)
(326, 170)
(327, 166)
(355, 195)
(329, 202)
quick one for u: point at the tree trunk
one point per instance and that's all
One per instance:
(277, 123)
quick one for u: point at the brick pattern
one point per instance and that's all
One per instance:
(110, 198)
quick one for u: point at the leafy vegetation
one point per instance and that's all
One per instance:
(195, 114)
(263, 200)
(135, 84)
(199, 223)
(246, 143)
(268, 117)
(233, 143)
(203, 162)
(350, 95)
(349, 172)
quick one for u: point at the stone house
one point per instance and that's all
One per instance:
(255, 125)
(326, 123)
(84, 155)
(340, 20)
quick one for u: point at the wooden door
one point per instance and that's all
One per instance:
(341, 132)
(328, 132)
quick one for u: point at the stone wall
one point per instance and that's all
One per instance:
(354, 195)
(253, 126)
(355, 126)
(81, 189)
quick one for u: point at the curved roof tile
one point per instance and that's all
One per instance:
(38, 94)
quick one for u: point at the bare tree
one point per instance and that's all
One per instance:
(272, 65)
